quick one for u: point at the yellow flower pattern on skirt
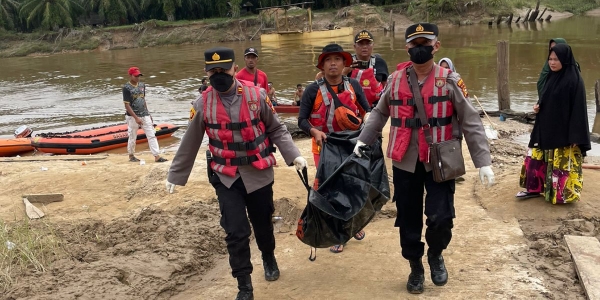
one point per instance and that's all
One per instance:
(555, 173)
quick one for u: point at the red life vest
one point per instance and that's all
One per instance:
(403, 65)
(224, 134)
(368, 81)
(438, 109)
(322, 116)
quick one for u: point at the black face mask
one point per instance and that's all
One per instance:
(420, 54)
(221, 81)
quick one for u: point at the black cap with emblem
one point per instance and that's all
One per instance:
(363, 35)
(219, 57)
(425, 30)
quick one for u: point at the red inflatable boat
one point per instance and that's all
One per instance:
(94, 140)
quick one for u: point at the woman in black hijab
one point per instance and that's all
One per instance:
(560, 136)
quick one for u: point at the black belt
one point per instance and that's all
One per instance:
(411, 101)
(239, 146)
(416, 122)
(244, 160)
(232, 126)
(436, 99)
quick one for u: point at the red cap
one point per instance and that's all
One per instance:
(135, 71)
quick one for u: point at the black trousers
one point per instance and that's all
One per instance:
(439, 209)
(233, 203)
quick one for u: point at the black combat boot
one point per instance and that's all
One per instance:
(439, 275)
(270, 265)
(416, 277)
(245, 287)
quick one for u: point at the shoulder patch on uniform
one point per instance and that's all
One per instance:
(463, 87)
(268, 101)
(192, 112)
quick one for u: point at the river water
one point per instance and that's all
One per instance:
(72, 91)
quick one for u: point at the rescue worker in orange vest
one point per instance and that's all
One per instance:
(331, 104)
(370, 70)
(242, 129)
(444, 97)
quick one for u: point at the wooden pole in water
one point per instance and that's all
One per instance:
(287, 23)
(309, 20)
(596, 126)
(277, 19)
(542, 14)
(510, 17)
(391, 20)
(548, 18)
(502, 65)
(526, 15)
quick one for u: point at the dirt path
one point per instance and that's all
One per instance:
(126, 238)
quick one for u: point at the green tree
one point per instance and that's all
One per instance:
(168, 7)
(48, 14)
(8, 13)
(235, 8)
(114, 11)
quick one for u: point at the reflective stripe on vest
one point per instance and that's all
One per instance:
(371, 87)
(328, 101)
(438, 109)
(322, 116)
(371, 65)
(237, 143)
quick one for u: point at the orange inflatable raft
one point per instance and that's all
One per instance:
(94, 140)
(10, 147)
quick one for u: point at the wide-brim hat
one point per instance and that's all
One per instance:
(334, 49)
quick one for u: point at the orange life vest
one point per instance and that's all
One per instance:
(368, 81)
(322, 116)
(438, 109)
(224, 134)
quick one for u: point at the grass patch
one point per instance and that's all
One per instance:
(32, 47)
(577, 7)
(26, 247)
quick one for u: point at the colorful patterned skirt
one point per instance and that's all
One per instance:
(555, 173)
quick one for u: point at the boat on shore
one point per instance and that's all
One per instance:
(287, 109)
(10, 147)
(94, 140)
(282, 36)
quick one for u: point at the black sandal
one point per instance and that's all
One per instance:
(161, 159)
(133, 159)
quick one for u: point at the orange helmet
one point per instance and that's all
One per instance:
(347, 119)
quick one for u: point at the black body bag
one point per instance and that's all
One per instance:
(347, 192)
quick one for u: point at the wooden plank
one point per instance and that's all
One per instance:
(44, 198)
(585, 251)
(32, 211)
(53, 158)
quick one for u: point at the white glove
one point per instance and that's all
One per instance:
(170, 187)
(366, 117)
(356, 148)
(300, 163)
(486, 172)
